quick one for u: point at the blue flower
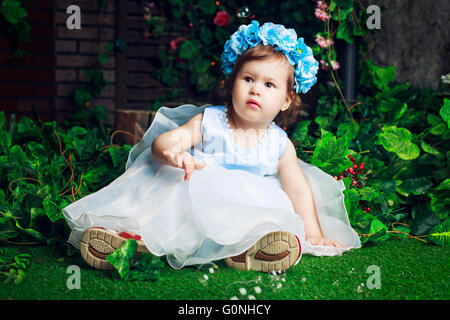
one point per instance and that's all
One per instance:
(269, 34)
(285, 40)
(251, 33)
(238, 43)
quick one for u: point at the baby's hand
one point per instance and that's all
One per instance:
(318, 240)
(183, 160)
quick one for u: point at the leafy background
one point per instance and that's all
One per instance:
(391, 147)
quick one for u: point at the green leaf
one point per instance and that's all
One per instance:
(440, 234)
(12, 11)
(205, 35)
(330, 152)
(205, 82)
(207, 6)
(146, 267)
(103, 57)
(401, 111)
(440, 201)
(118, 156)
(121, 259)
(381, 76)
(348, 129)
(301, 130)
(52, 210)
(200, 65)
(427, 148)
(343, 13)
(23, 260)
(415, 186)
(109, 46)
(3, 122)
(5, 140)
(187, 50)
(31, 234)
(82, 96)
(323, 121)
(445, 112)
(423, 219)
(398, 140)
(377, 231)
(23, 31)
(345, 31)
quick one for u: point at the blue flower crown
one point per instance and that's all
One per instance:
(285, 40)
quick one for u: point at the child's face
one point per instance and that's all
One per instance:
(264, 82)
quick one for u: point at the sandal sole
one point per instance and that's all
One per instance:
(276, 251)
(96, 244)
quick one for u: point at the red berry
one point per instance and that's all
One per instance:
(351, 170)
(365, 179)
(355, 166)
(361, 165)
(354, 182)
(341, 176)
(335, 177)
(352, 159)
(359, 171)
(359, 186)
(368, 209)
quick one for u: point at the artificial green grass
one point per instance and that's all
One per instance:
(409, 269)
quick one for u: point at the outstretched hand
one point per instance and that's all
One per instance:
(183, 160)
(318, 240)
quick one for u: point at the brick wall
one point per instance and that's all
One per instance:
(137, 65)
(29, 80)
(76, 50)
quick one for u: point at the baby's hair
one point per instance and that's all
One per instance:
(258, 53)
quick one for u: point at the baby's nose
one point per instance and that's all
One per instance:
(254, 89)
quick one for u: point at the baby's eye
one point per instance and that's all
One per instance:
(248, 79)
(269, 85)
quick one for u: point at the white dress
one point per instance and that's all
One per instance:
(223, 209)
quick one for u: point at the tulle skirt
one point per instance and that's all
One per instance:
(217, 213)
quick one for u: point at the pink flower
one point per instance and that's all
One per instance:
(222, 18)
(324, 43)
(175, 42)
(325, 66)
(321, 11)
(322, 5)
(321, 14)
(335, 65)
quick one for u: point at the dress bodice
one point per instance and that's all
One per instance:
(218, 142)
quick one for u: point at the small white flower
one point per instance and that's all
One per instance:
(251, 297)
(211, 270)
(243, 291)
(205, 276)
(283, 279)
(234, 298)
(303, 279)
(279, 285)
(258, 290)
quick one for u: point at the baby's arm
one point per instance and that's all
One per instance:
(169, 148)
(299, 192)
